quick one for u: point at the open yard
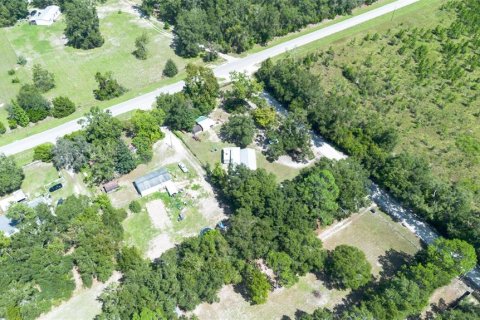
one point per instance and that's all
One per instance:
(157, 227)
(74, 69)
(39, 176)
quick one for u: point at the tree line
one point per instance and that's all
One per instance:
(37, 261)
(450, 207)
(235, 26)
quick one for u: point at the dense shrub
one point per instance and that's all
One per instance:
(62, 107)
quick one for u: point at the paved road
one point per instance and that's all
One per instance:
(248, 64)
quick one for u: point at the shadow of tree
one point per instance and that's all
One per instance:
(391, 261)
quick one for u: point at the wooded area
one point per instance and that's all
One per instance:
(374, 108)
(236, 25)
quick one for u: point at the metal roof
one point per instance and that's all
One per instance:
(152, 179)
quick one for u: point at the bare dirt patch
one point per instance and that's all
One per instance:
(159, 245)
(158, 214)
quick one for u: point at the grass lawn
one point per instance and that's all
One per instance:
(139, 230)
(379, 237)
(75, 69)
(37, 176)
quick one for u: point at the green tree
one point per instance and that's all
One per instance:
(201, 86)
(62, 107)
(101, 125)
(17, 116)
(147, 124)
(83, 27)
(71, 154)
(34, 104)
(108, 88)
(43, 152)
(2, 128)
(11, 176)
(257, 284)
(264, 117)
(125, 162)
(135, 206)
(281, 263)
(347, 267)
(170, 69)
(42, 79)
(21, 212)
(456, 257)
(141, 50)
(189, 33)
(180, 114)
(239, 130)
(11, 11)
(243, 87)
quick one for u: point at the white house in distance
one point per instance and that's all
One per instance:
(152, 182)
(17, 196)
(45, 17)
(236, 156)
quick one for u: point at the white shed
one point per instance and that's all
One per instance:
(237, 156)
(17, 196)
(46, 17)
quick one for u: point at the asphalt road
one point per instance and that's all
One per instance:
(248, 64)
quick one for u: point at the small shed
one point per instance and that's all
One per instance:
(45, 17)
(204, 123)
(171, 188)
(110, 186)
(152, 182)
(17, 196)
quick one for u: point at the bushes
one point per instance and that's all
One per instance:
(42, 79)
(257, 284)
(43, 152)
(135, 206)
(2, 128)
(62, 107)
(33, 103)
(108, 88)
(141, 51)
(170, 69)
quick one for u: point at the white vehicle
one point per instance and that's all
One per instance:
(183, 167)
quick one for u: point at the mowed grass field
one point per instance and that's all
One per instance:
(75, 69)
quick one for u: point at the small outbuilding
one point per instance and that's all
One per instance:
(17, 196)
(110, 186)
(237, 156)
(152, 182)
(203, 123)
(45, 17)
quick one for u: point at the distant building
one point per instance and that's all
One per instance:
(17, 196)
(45, 17)
(203, 123)
(110, 186)
(152, 182)
(7, 226)
(237, 156)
